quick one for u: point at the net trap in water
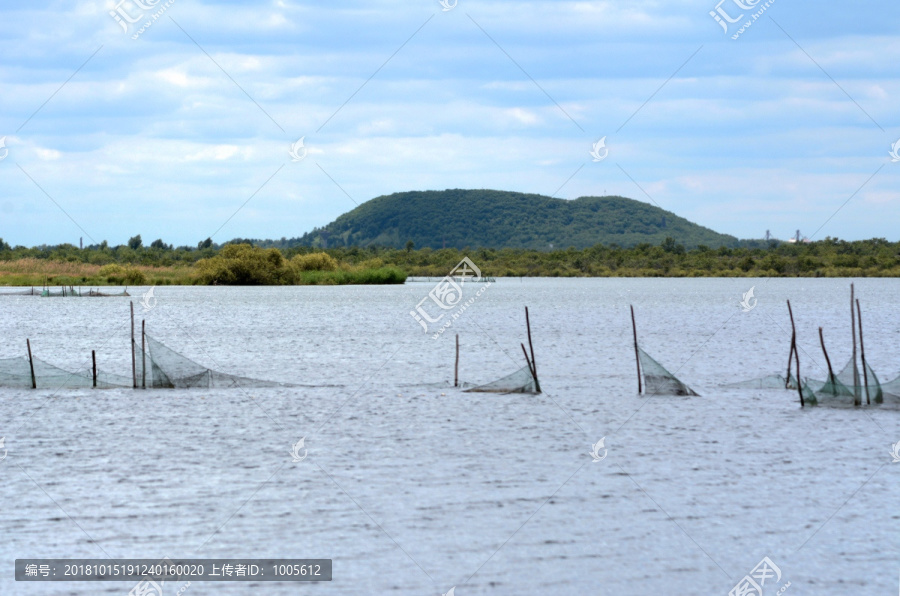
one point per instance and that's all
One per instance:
(856, 384)
(153, 365)
(524, 380)
(653, 378)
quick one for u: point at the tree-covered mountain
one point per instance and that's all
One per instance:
(498, 219)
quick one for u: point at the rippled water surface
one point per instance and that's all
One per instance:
(413, 487)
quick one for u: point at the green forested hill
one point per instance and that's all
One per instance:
(497, 219)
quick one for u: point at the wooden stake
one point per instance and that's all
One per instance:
(94, 359)
(143, 356)
(787, 379)
(31, 364)
(530, 367)
(799, 384)
(862, 351)
(827, 359)
(456, 366)
(856, 397)
(533, 365)
(637, 357)
(530, 345)
(133, 363)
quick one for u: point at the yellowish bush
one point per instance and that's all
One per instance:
(317, 261)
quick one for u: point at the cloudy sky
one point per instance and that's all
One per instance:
(182, 130)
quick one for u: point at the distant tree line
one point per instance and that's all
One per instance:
(828, 257)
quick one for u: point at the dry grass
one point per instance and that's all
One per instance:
(38, 272)
(45, 267)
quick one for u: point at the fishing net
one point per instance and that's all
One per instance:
(891, 390)
(769, 382)
(21, 292)
(857, 382)
(62, 292)
(659, 381)
(832, 387)
(166, 368)
(791, 382)
(79, 293)
(848, 387)
(520, 381)
(809, 396)
(98, 293)
(831, 392)
(16, 373)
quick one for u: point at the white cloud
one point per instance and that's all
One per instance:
(522, 116)
(48, 154)
(748, 135)
(219, 152)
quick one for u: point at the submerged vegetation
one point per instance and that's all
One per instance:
(247, 263)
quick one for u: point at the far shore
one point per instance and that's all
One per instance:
(245, 263)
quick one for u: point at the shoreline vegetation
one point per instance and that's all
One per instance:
(246, 264)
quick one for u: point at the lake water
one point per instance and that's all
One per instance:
(413, 487)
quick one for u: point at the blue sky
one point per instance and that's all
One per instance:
(185, 131)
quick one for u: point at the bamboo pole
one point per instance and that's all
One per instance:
(530, 345)
(787, 378)
(856, 396)
(827, 359)
(530, 367)
(862, 351)
(456, 366)
(133, 363)
(31, 364)
(637, 358)
(94, 360)
(799, 384)
(533, 365)
(143, 355)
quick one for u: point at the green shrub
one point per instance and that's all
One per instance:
(117, 274)
(134, 277)
(383, 275)
(244, 265)
(317, 261)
